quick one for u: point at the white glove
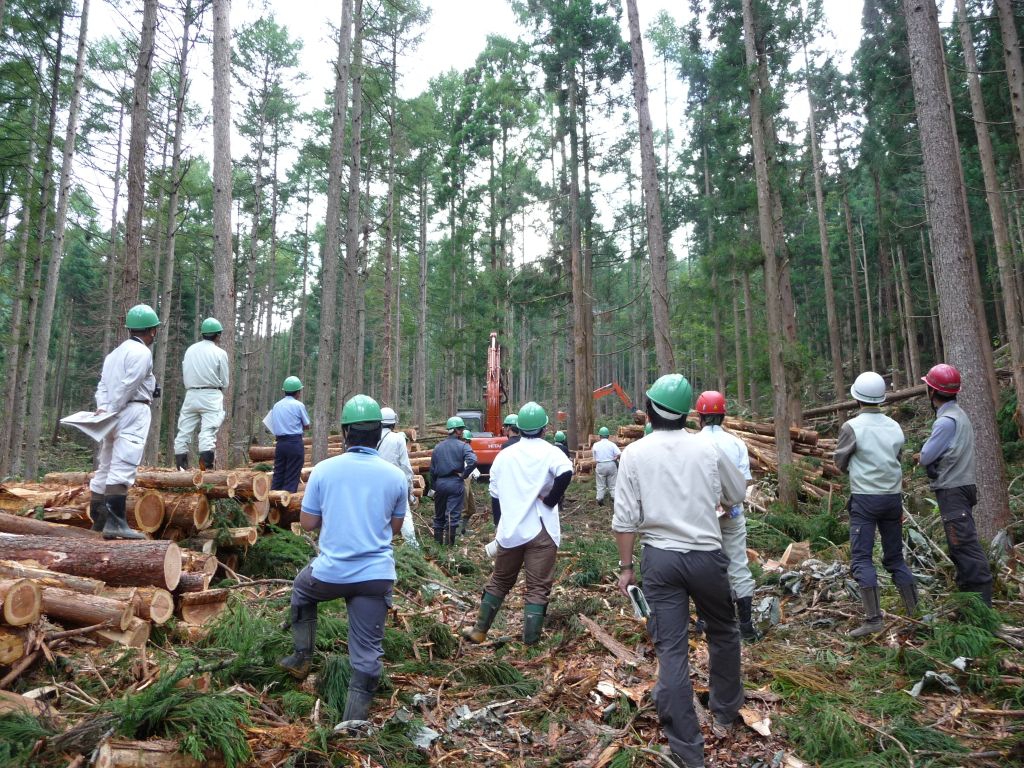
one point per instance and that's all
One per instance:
(475, 474)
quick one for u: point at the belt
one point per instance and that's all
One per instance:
(217, 388)
(282, 437)
(144, 402)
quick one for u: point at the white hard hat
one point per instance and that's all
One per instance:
(869, 387)
(388, 416)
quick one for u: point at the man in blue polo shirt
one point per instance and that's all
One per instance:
(288, 421)
(358, 501)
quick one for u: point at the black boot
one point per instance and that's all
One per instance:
(747, 629)
(908, 592)
(439, 535)
(303, 621)
(361, 688)
(98, 510)
(181, 460)
(872, 613)
(116, 525)
(984, 592)
(206, 460)
(453, 533)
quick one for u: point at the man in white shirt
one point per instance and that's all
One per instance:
(127, 387)
(393, 448)
(670, 486)
(205, 372)
(606, 461)
(528, 481)
(710, 409)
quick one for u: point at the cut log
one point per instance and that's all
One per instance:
(200, 607)
(231, 537)
(10, 569)
(261, 453)
(145, 510)
(807, 436)
(135, 636)
(12, 646)
(279, 498)
(76, 516)
(187, 511)
(21, 601)
(15, 702)
(163, 481)
(193, 581)
(149, 603)
(274, 516)
(21, 497)
(256, 511)
(85, 610)
(68, 478)
(420, 454)
(119, 563)
(252, 486)
(11, 523)
(156, 753)
(199, 561)
(304, 473)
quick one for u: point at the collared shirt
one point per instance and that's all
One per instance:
(288, 417)
(452, 457)
(392, 449)
(605, 450)
(668, 491)
(519, 477)
(127, 375)
(736, 450)
(205, 365)
(941, 438)
(356, 495)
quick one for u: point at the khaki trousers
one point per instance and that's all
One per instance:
(536, 557)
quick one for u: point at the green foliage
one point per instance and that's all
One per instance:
(1008, 433)
(227, 513)
(255, 641)
(824, 731)
(503, 678)
(773, 532)
(444, 643)
(297, 704)
(332, 685)
(19, 733)
(277, 555)
(413, 569)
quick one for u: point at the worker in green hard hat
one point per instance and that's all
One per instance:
(560, 443)
(127, 388)
(451, 462)
(205, 372)
(358, 501)
(288, 420)
(528, 482)
(510, 429)
(606, 465)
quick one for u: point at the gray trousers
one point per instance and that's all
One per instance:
(670, 579)
(367, 603)
(606, 472)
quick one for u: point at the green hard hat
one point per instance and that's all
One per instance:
(559, 436)
(292, 384)
(603, 432)
(211, 325)
(467, 435)
(511, 420)
(360, 409)
(648, 428)
(672, 392)
(532, 417)
(141, 317)
(455, 422)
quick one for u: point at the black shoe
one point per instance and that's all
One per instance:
(453, 533)
(748, 631)
(116, 525)
(98, 511)
(206, 460)
(303, 623)
(361, 688)
(439, 535)
(181, 461)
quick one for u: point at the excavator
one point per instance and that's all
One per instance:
(486, 425)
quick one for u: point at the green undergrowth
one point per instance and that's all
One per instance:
(501, 678)
(249, 637)
(19, 733)
(278, 554)
(824, 527)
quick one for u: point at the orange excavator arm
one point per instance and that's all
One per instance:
(614, 388)
(494, 395)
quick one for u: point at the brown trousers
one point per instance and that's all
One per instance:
(536, 557)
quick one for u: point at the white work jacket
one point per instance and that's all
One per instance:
(127, 376)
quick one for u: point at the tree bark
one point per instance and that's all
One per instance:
(148, 603)
(155, 753)
(652, 202)
(583, 384)
(331, 253)
(109, 330)
(10, 569)
(22, 524)
(954, 257)
(419, 390)
(85, 610)
(390, 340)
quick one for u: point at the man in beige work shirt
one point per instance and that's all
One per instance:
(205, 371)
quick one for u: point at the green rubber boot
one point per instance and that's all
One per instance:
(533, 622)
(872, 613)
(489, 607)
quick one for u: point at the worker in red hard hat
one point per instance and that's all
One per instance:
(711, 409)
(948, 458)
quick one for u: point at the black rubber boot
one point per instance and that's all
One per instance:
(98, 510)
(908, 593)
(747, 629)
(439, 535)
(984, 592)
(453, 534)
(600, 502)
(533, 622)
(361, 688)
(303, 621)
(872, 613)
(181, 460)
(116, 525)
(489, 607)
(206, 460)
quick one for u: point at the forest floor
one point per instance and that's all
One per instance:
(581, 696)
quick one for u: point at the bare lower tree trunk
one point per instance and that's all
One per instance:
(1014, 68)
(223, 256)
(771, 251)
(390, 342)
(137, 156)
(737, 336)
(993, 194)
(933, 307)
(716, 322)
(38, 397)
(583, 385)
(109, 332)
(748, 310)
(332, 241)
(909, 320)
(419, 391)
(863, 266)
(655, 230)
(862, 357)
(955, 268)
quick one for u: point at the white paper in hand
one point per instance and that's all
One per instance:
(267, 422)
(95, 425)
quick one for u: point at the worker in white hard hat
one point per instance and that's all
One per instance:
(392, 447)
(868, 449)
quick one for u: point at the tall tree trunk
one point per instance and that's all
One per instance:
(390, 340)
(909, 319)
(270, 288)
(37, 400)
(167, 286)
(933, 308)
(748, 309)
(109, 329)
(993, 194)
(137, 156)
(862, 356)
(303, 298)
(886, 310)
(955, 268)
(583, 385)
(716, 322)
(419, 391)
(655, 231)
(772, 253)
(331, 254)
(863, 266)
(737, 336)
(1014, 68)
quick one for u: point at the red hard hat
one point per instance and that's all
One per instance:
(711, 403)
(943, 378)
